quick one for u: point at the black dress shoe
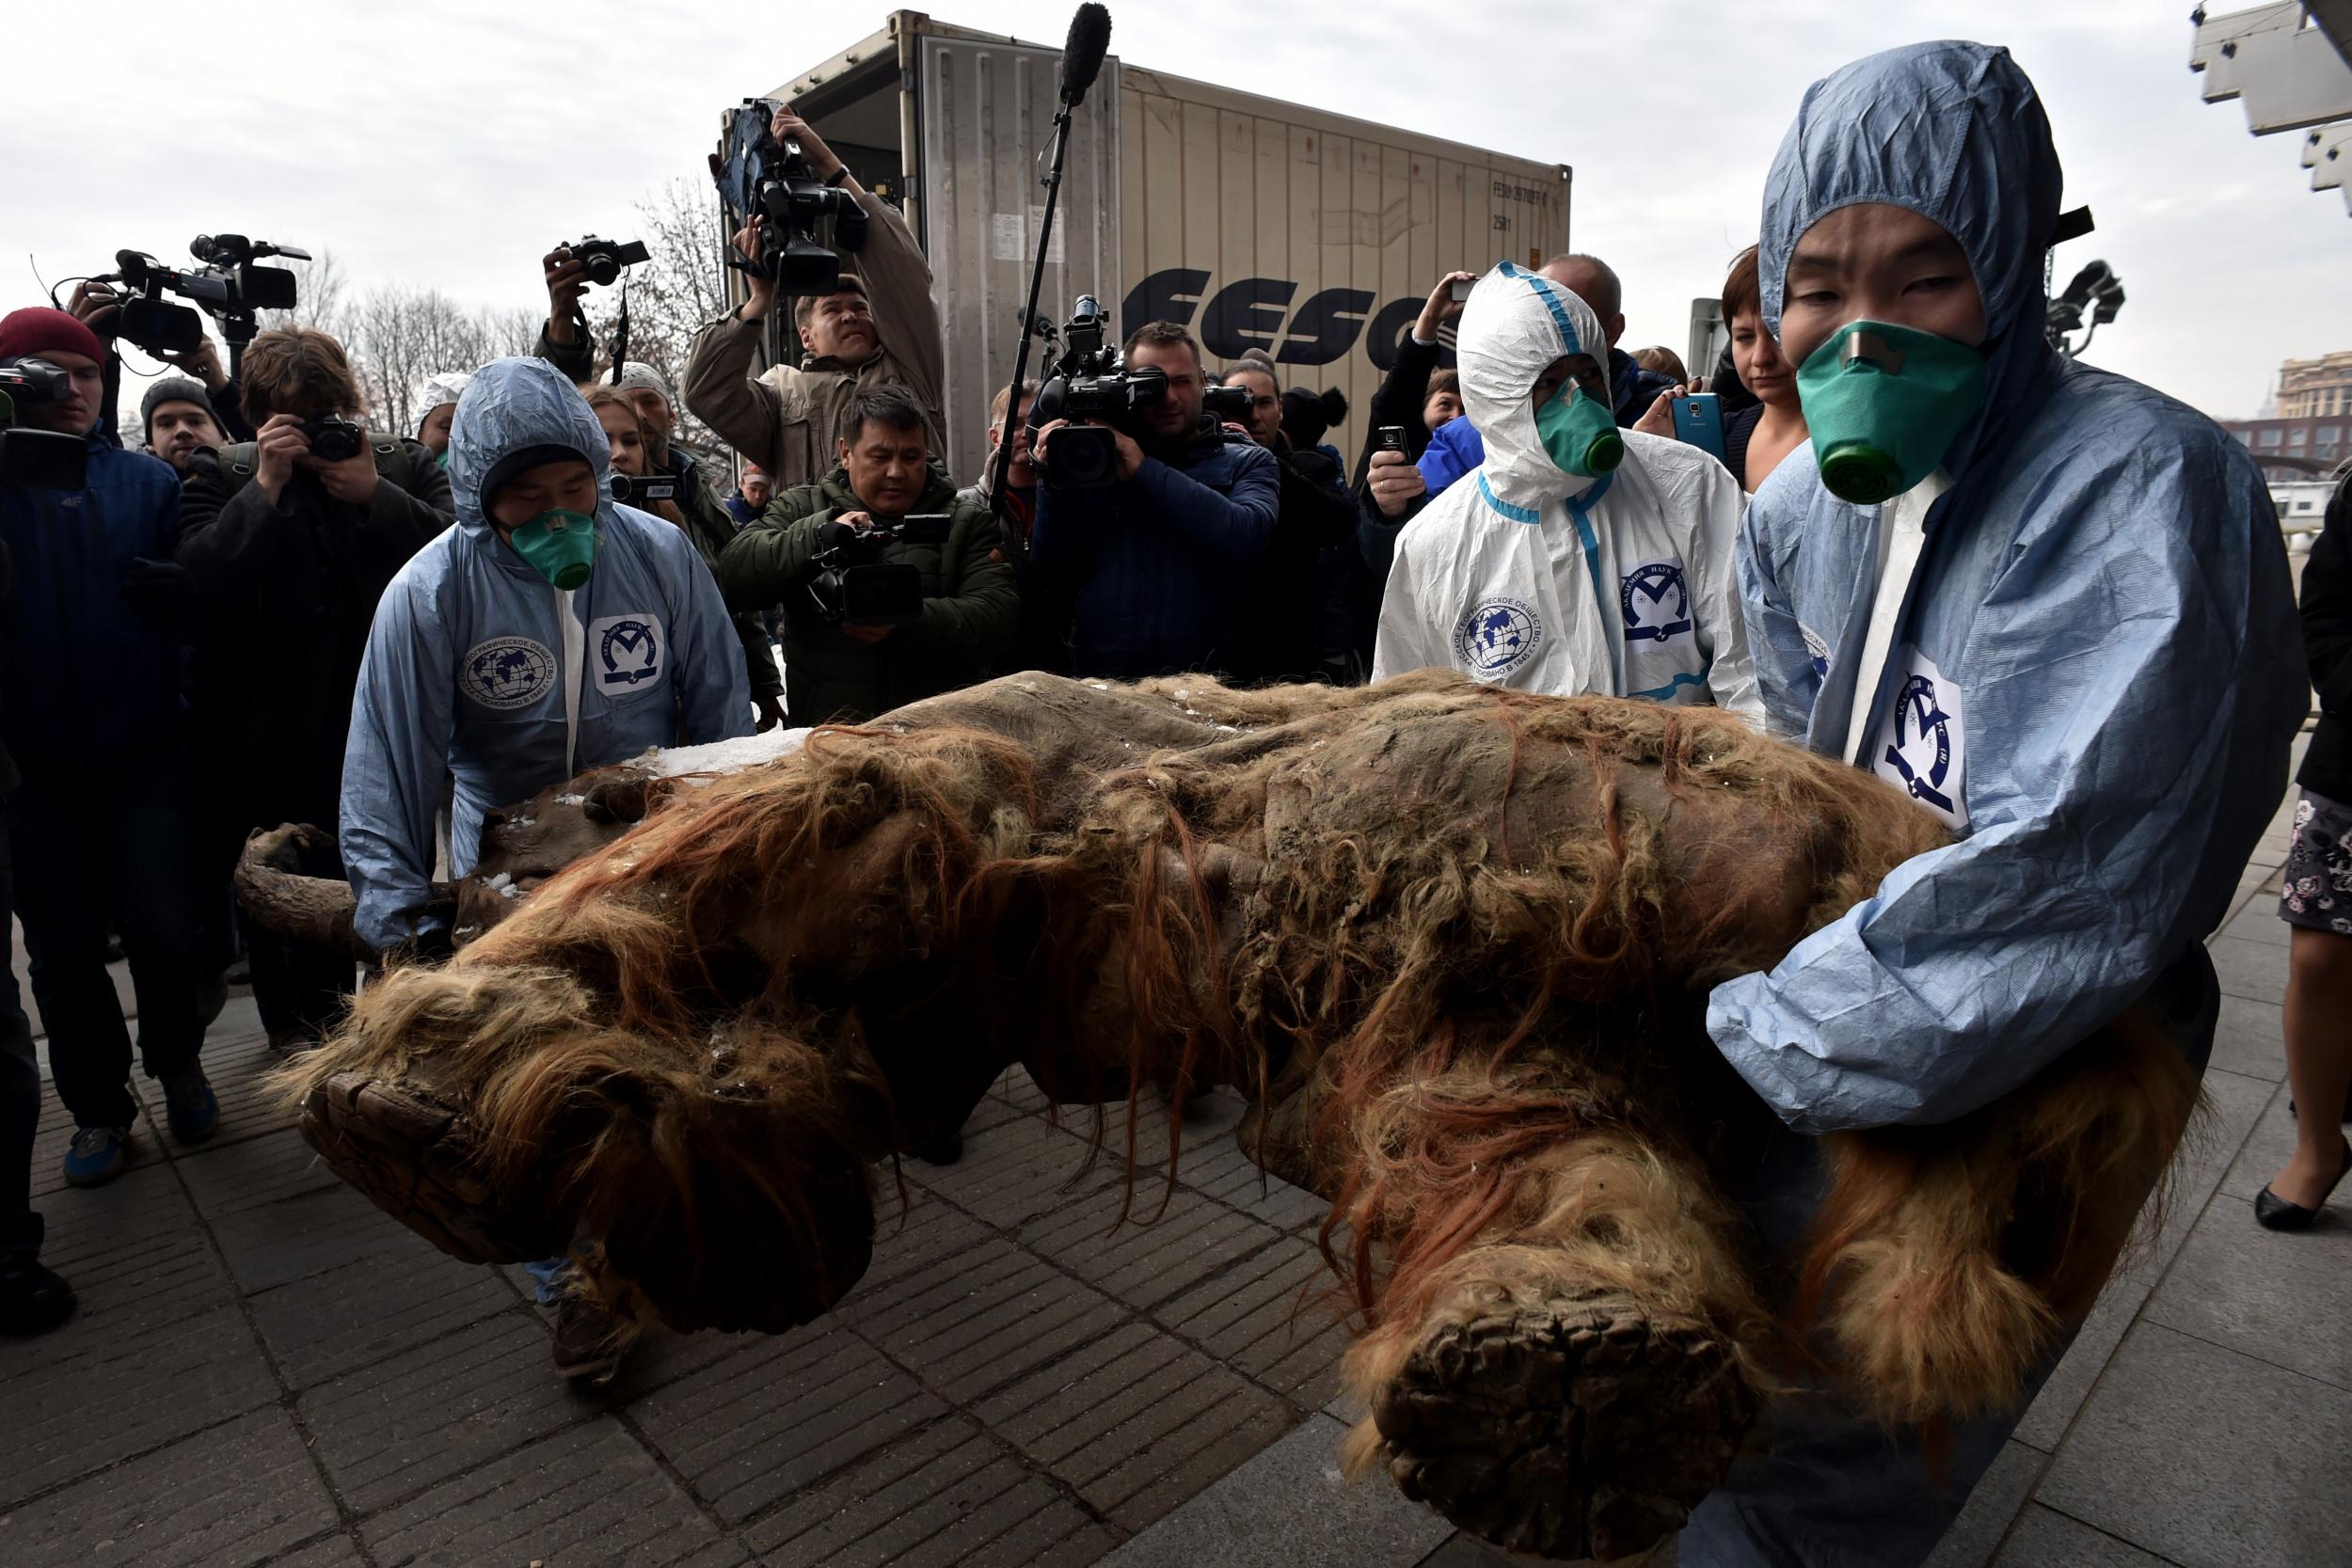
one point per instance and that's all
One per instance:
(2273, 1212)
(32, 1299)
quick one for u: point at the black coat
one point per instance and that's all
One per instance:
(284, 598)
(2327, 647)
(1280, 632)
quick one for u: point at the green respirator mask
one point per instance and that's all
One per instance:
(1580, 435)
(1884, 404)
(559, 546)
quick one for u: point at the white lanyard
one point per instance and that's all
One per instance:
(1902, 535)
(574, 656)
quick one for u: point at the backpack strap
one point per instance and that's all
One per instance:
(240, 461)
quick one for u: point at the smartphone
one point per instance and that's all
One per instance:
(1461, 292)
(1699, 421)
(1389, 438)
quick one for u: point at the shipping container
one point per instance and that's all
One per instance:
(1255, 222)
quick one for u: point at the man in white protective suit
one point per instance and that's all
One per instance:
(1578, 559)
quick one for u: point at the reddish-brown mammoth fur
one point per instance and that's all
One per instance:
(1454, 942)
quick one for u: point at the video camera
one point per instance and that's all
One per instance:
(855, 584)
(761, 178)
(645, 489)
(1089, 381)
(230, 285)
(604, 259)
(38, 459)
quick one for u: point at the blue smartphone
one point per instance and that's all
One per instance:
(1699, 420)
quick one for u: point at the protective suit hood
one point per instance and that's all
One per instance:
(1515, 323)
(511, 405)
(1955, 133)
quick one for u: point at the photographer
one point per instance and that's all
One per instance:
(1044, 640)
(100, 825)
(637, 454)
(1152, 565)
(287, 552)
(877, 328)
(836, 669)
(1291, 607)
(176, 418)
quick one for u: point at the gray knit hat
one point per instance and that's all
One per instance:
(172, 388)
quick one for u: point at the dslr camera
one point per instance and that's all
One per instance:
(38, 459)
(855, 584)
(230, 284)
(334, 438)
(605, 258)
(760, 177)
(1089, 381)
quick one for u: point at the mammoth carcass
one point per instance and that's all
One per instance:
(1455, 942)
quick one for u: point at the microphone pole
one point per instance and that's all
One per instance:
(1082, 61)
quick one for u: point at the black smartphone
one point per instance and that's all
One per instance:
(1389, 438)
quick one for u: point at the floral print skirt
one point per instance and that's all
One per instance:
(2319, 866)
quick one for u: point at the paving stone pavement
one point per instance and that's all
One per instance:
(267, 1372)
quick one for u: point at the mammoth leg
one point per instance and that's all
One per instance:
(1574, 1381)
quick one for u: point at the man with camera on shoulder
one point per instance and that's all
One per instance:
(876, 328)
(890, 581)
(1153, 559)
(288, 543)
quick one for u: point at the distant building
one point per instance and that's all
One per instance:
(2311, 387)
(2302, 503)
(2309, 447)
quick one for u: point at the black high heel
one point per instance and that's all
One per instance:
(2273, 1212)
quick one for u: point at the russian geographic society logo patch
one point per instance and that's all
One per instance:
(506, 672)
(1497, 636)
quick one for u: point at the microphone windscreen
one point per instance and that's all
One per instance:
(1082, 55)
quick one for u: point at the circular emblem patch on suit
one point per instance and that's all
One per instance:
(1497, 636)
(506, 672)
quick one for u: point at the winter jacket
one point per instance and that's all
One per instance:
(286, 594)
(784, 418)
(2327, 646)
(94, 683)
(1042, 641)
(1153, 567)
(1286, 623)
(971, 606)
(478, 670)
(2093, 676)
(1528, 577)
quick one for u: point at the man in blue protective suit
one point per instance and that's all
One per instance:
(551, 631)
(2049, 604)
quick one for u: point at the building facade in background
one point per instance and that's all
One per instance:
(2309, 388)
(2308, 448)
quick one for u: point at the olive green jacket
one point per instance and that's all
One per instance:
(971, 606)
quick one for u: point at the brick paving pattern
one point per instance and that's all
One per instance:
(267, 1372)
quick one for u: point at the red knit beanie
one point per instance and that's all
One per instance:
(38, 329)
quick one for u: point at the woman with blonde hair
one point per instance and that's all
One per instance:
(638, 452)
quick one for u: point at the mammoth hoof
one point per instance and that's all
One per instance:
(1572, 1429)
(417, 1157)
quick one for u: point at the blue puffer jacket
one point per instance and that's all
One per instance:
(91, 680)
(1154, 568)
(476, 669)
(2093, 679)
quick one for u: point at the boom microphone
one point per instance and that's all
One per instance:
(1082, 54)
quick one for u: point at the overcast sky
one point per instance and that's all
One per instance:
(447, 143)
